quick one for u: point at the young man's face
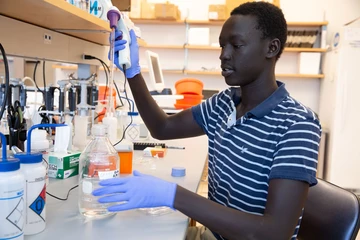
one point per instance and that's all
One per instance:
(243, 51)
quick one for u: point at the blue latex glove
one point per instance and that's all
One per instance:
(139, 191)
(134, 53)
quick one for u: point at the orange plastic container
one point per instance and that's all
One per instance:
(182, 106)
(189, 86)
(126, 162)
(125, 153)
(190, 99)
(101, 95)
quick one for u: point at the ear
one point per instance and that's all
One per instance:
(274, 47)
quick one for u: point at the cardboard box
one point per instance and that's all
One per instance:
(167, 11)
(135, 9)
(231, 4)
(63, 165)
(217, 12)
(122, 5)
(147, 10)
(154, 151)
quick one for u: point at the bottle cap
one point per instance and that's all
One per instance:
(29, 158)
(9, 165)
(99, 129)
(133, 113)
(178, 172)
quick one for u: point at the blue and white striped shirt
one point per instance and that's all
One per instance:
(277, 139)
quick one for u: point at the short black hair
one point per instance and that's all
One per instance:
(270, 19)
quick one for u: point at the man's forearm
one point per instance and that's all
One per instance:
(153, 116)
(230, 223)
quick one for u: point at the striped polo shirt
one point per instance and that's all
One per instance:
(279, 138)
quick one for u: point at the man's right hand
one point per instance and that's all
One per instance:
(134, 54)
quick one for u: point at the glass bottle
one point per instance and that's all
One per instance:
(98, 161)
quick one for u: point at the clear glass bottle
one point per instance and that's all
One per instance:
(98, 161)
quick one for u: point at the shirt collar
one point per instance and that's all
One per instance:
(268, 104)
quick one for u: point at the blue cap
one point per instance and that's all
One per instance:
(133, 113)
(9, 165)
(178, 172)
(28, 158)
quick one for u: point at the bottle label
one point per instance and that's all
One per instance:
(96, 8)
(36, 198)
(108, 174)
(12, 213)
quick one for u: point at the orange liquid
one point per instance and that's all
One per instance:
(126, 160)
(95, 167)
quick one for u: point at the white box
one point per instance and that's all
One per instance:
(309, 63)
(199, 36)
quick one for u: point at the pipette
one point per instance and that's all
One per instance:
(116, 23)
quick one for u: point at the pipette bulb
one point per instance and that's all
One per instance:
(113, 15)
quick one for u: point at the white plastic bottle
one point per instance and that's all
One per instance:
(111, 122)
(137, 130)
(40, 143)
(35, 191)
(12, 201)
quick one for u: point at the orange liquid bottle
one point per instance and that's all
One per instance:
(125, 151)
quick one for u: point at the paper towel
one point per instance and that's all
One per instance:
(62, 137)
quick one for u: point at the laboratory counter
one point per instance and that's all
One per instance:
(63, 220)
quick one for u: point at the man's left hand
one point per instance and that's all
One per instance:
(138, 191)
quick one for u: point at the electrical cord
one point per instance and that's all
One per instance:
(126, 96)
(51, 195)
(67, 196)
(106, 67)
(118, 93)
(7, 81)
(99, 115)
(34, 78)
(44, 75)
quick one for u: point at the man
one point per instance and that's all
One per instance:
(263, 144)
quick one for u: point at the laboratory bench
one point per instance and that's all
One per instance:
(63, 220)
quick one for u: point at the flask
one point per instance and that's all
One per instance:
(12, 202)
(98, 161)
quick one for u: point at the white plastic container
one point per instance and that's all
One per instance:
(112, 123)
(12, 202)
(122, 117)
(35, 194)
(40, 143)
(137, 130)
